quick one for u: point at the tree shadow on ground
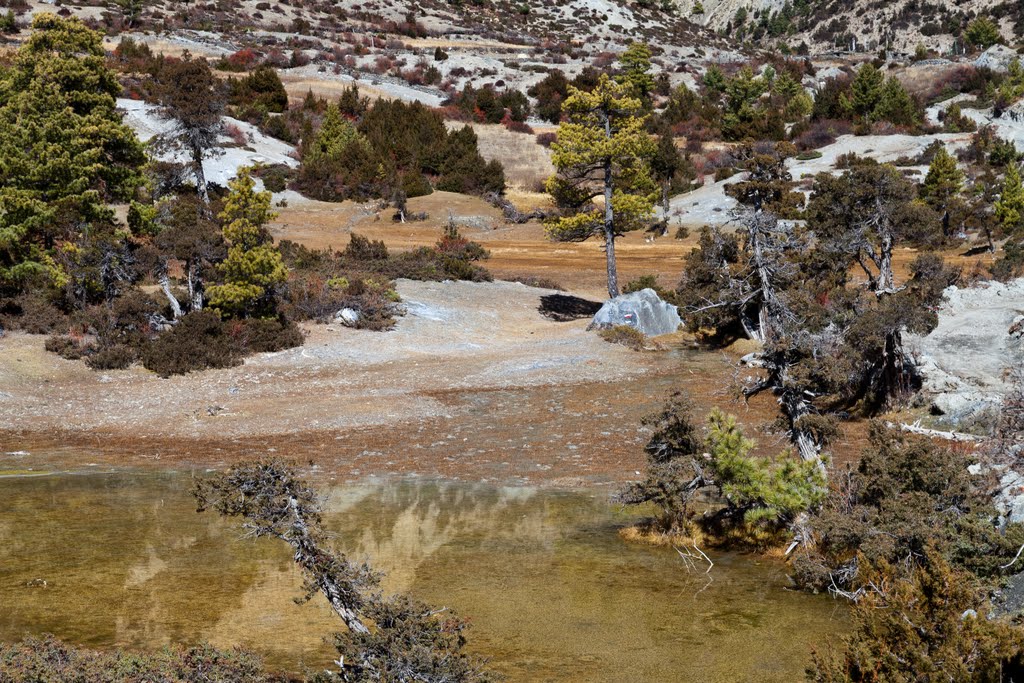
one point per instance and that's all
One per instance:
(565, 307)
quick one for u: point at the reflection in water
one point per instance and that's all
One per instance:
(553, 594)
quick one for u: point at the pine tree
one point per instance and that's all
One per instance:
(191, 96)
(253, 268)
(64, 151)
(983, 33)
(334, 135)
(636, 69)
(602, 150)
(665, 164)
(866, 90)
(942, 185)
(895, 105)
(1010, 205)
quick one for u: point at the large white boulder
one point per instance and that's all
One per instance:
(643, 310)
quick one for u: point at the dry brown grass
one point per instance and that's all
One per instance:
(648, 533)
(527, 164)
(515, 249)
(297, 86)
(526, 200)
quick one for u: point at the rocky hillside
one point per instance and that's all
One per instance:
(832, 25)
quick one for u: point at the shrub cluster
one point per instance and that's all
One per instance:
(48, 660)
(393, 147)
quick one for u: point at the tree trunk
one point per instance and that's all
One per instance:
(195, 287)
(310, 557)
(609, 221)
(886, 280)
(795, 409)
(165, 285)
(200, 176)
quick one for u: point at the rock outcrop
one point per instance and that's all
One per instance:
(643, 310)
(965, 360)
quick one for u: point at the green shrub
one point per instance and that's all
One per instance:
(65, 347)
(275, 178)
(907, 495)
(757, 498)
(724, 173)
(115, 357)
(34, 312)
(807, 156)
(537, 281)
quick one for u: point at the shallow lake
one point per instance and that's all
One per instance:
(552, 592)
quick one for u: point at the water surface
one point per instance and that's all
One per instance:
(552, 592)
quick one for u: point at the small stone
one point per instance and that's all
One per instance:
(349, 317)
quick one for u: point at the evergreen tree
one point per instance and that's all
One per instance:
(983, 33)
(636, 69)
(866, 91)
(602, 151)
(942, 185)
(262, 88)
(714, 81)
(253, 269)
(665, 164)
(64, 151)
(192, 98)
(334, 135)
(1010, 205)
(895, 105)
(550, 93)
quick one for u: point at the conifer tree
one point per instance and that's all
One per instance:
(334, 135)
(191, 97)
(895, 105)
(253, 268)
(64, 151)
(942, 185)
(636, 69)
(665, 164)
(602, 151)
(866, 91)
(1010, 205)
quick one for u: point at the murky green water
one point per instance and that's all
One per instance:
(552, 592)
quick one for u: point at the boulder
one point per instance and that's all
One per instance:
(349, 317)
(998, 58)
(643, 310)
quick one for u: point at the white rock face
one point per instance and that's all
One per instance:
(998, 58)
(966, 359)
(643, 310)
(143, 118)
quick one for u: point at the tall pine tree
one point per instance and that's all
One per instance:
(602, 151)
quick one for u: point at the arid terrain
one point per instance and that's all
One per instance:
(444, 393)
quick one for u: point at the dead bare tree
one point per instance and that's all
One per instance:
(387, 640)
